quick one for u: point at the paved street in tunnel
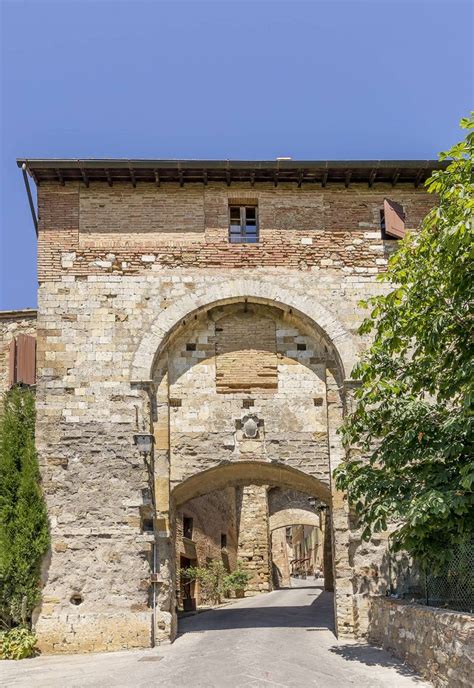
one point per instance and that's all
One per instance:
(283, 639)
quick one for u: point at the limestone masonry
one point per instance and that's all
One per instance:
(237, 357)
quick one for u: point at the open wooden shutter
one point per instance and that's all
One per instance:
(394, 219)
(26, 359)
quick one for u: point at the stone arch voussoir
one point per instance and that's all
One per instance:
(248, 473)
(292, 517)
(212, 295)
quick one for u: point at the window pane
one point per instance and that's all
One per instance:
(251, 213)
(235, 213)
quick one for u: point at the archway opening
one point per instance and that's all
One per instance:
(246, 397)
(226, 523)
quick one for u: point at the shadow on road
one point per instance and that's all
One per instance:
(315, 616)
(372, 656)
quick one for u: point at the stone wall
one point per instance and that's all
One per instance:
(128, 313)
(13, 323)
(437, 643)
(281, 557)
(254, 550)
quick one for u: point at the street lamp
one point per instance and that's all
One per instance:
(144, 442)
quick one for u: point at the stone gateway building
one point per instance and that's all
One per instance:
(196, 333)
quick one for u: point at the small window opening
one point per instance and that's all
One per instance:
(243, 224)
(223, 540)
(188, 527)
(191, 346)
(147, 525)
(248, 403)
(301, 347)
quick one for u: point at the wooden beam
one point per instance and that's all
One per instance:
(324, 179)
(418, 178)
(396, 176)
(252, 179)
(372, 177)
(347, 179)
(204, 177)
(60, 177)
(132, 177)
(34, 177)
(228, 177)
(300, 178)
(275, 179)
(157, 178)
(109, 178)
(181, 177)
(85, 178)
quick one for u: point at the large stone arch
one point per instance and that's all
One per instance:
(248, 473)
(213, 294)
(291, 517)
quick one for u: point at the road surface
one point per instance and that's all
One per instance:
(280, 640)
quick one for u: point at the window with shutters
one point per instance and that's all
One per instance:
(392, 220)
(243, 224)
(22, 360)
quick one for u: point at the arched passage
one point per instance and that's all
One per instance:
(201, 441)
(290, 517)
(249, 473)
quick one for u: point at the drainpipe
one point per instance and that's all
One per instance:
(30, 197)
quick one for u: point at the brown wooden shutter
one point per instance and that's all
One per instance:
(12, 363)
(26, 359)
(394, 219)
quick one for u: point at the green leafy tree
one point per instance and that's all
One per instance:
(412, 417)
(24, 536)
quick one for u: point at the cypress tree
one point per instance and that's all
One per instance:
(24, 535)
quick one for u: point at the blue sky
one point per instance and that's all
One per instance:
(261, 79)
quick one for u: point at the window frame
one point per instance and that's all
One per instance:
(244, 236)
(188, 527)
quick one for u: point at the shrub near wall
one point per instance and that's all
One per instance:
(437, 643)
(24, 537)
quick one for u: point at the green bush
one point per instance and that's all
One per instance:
(215, 581)
(237, 580)
(17, 643)
(24, 536)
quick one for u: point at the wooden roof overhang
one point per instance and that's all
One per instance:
(299, 172)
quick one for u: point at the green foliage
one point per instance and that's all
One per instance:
(17, 643)
(24, 537)
(413, 410)
(236, 580)
(215, 581)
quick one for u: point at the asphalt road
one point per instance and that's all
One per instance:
(280, 640)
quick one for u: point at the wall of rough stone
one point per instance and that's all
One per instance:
(437, 643)
(254, 550)
(206, 423)
(281, 557)
(13, 323)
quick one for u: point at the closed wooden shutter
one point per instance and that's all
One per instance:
(26, 359)
(394, 219)
(12, 363)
